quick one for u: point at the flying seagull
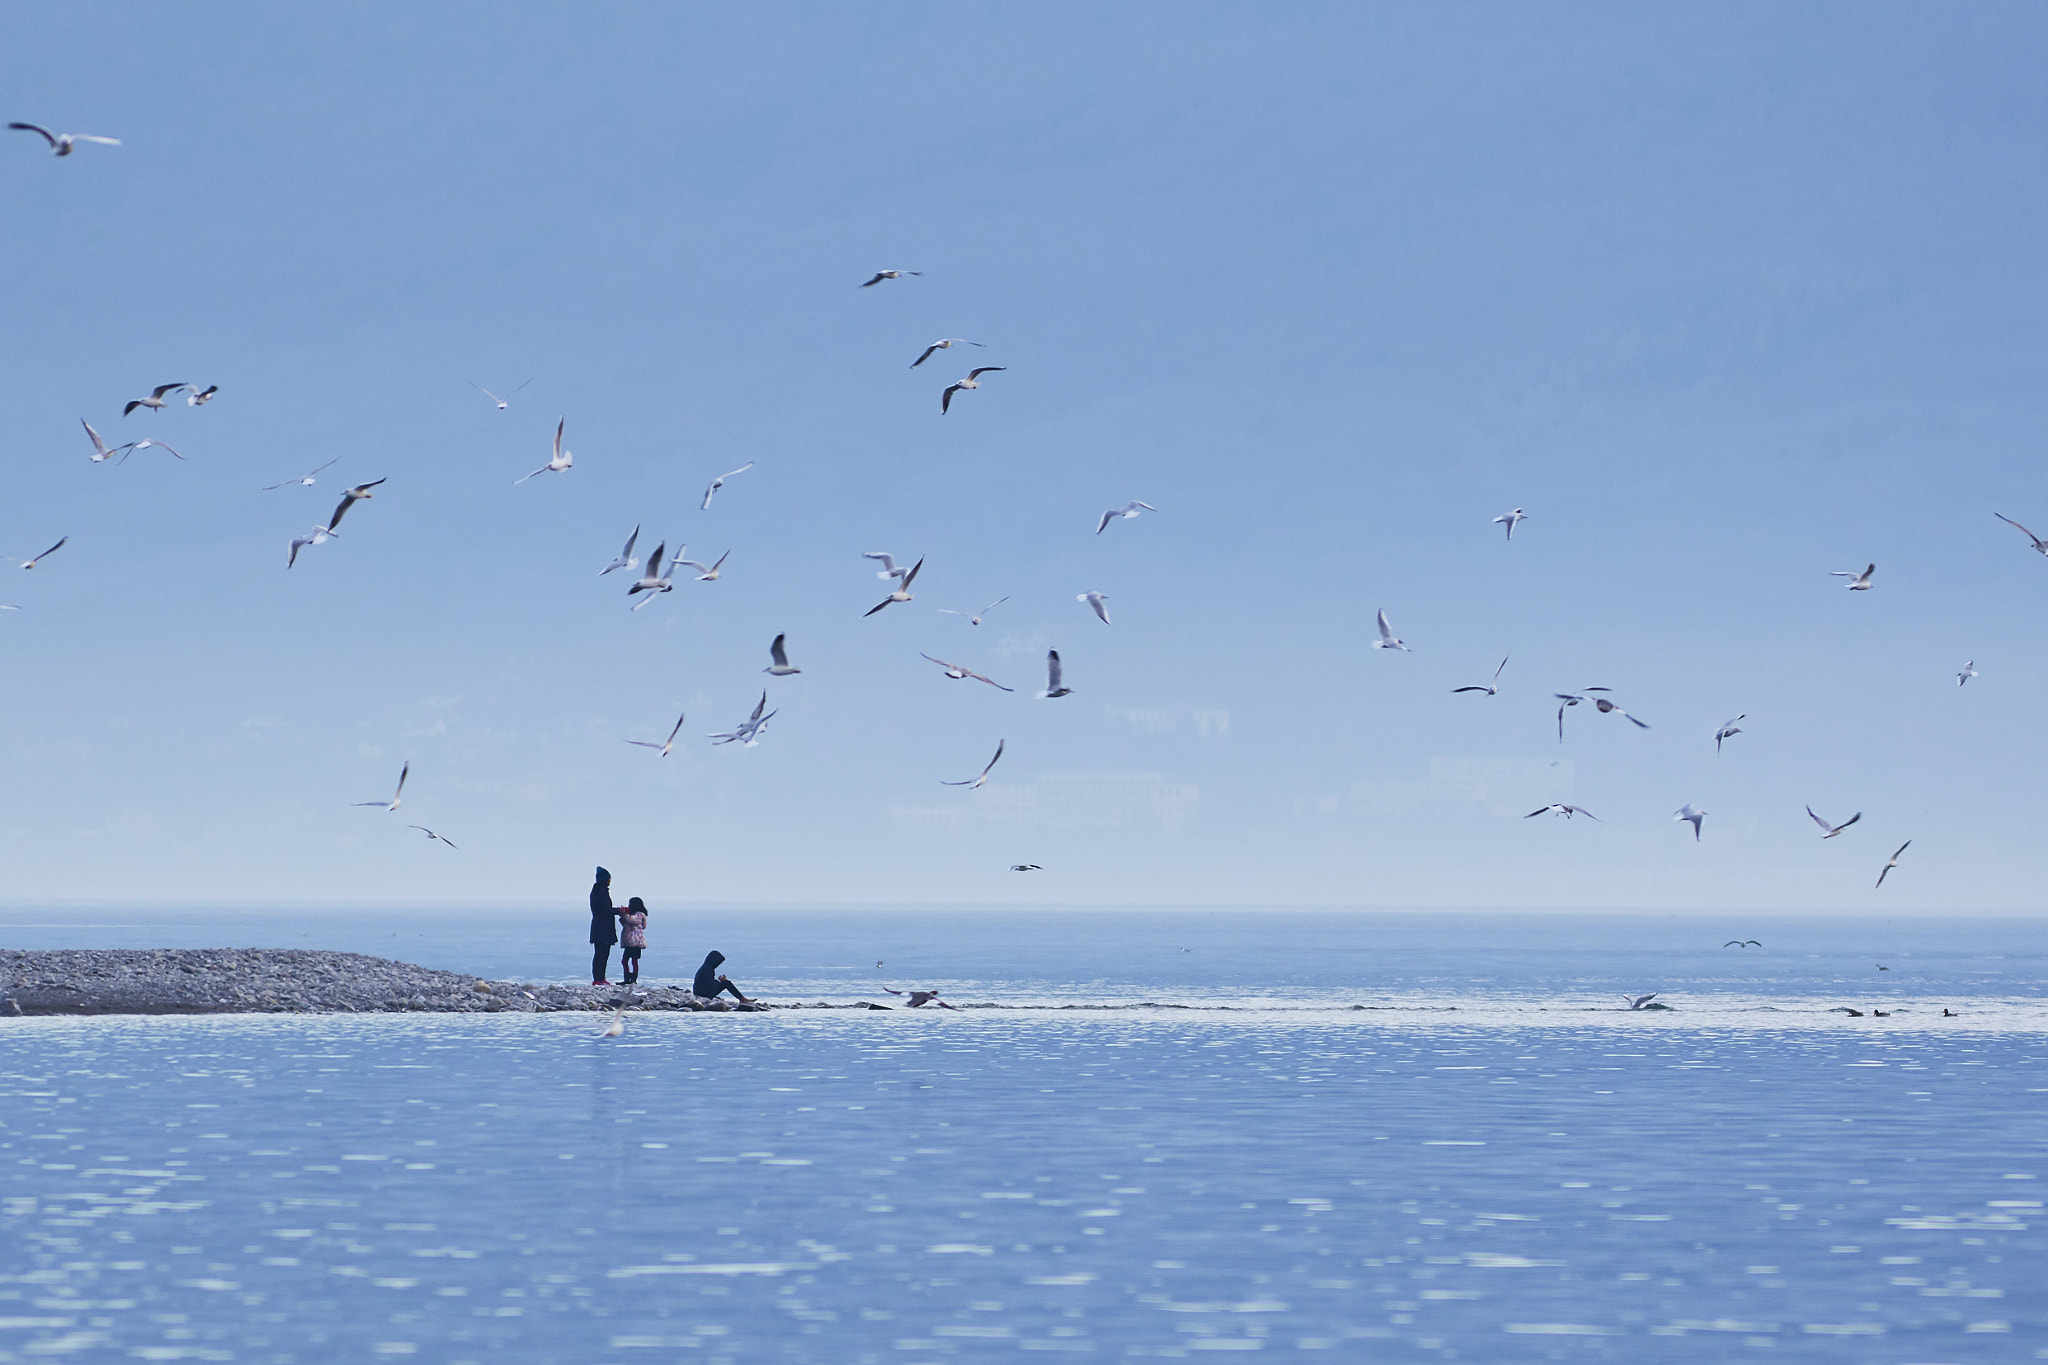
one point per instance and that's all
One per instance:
(431, 836)
(101, 452)
(1969, 672)
(350, 498)
(62, 143)
(1026, 867)
(881, 275)
(627, 559)
(1124, 513)
(719, 483)
(1387, 638)
(666, 744)
(319, 535)
(617, 1027)
(1511, 520)
(1489, 689)
(1568, 699)
(653, 581)
(196, 398)
(504, 402)
(155, 401)
(957, 672)
(557, 462)
(1095, 601)
(972, 381)
(943, 344)
(1689, 812)
(748, 731)
(1742, 943)
(1636, 1002)
(889, 568)
(706, 573)
(1894, 862)
(2039, 544)
(1055, 686)
(1858, 582)
(1727, 731)
(1833, 830)
(392, 804)
(1604, 706)
(917, 998)
(1559, 808)
(31, 563)
(972, 783)
(975, 619)
(778, 659)
(304, 480)
(902, 593)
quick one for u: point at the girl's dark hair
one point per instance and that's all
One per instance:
(637, 904)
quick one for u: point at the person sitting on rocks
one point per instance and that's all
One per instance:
(711, 982)
(632, 938)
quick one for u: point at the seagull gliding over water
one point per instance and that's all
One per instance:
(1894, 862)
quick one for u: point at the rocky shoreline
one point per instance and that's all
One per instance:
(298, 981)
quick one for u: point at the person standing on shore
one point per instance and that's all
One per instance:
(632, 939)
(604, 927)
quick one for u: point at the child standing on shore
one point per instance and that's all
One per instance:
(632, 938)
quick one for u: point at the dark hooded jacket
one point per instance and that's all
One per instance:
(604, 924)
(707, 983)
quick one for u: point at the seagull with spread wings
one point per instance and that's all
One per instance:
(1727, 731)
(889, 568)
(1858, 582)
(199, 398)
(706, 573)
(975, 619)
(942, 344)
(504, 402)
(1559, 808)
(1095, 601)
(719, 483)
(881, 275)
(654, 580)
(2039, 544)
(973, 782)
(1893, 862)
(319, 535)
(432, 835)
(748, 731)
(1511, 520)
(626, 559)
(1693, 814)
(155, 401)
(1490, 689)
(1833, 830)
(31, 563)
(304, 480)
(397, 795)
(1055, 678)
(957, 672)
(62, 144)
(1124, 513)
(350, 498)
(779, 665)
(666, 744)
(1570, 699)
(557, 462)
(1969, 672)
(1387, 639)
(902, 592)
(972, 381)
(100, 450)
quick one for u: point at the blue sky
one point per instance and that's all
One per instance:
(1726, 299)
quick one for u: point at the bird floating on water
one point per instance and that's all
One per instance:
(1892, 862)
(943, 344)
(972, 381)
(778, 659)
(1124, 513)
(397, 795)
(2039, 544)
(1511, 520)
(719, 483)
(304, 480)
(1095, 601)
(504, 402)
(881, 275)
(557, 462)
(1727, 731)
(626, 558)
(349, 499)
(972, 783)
(61, 144)
(1833, 830)
(666, 745)
(1055, 685)
(1388, 640)
(1490, 689)
(431, 836)
(31, 563)
(1695, 816)
(975, 619)
(902, 592)
(155, 401)
(1858, 582)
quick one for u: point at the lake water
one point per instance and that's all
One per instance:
(1376, 1137)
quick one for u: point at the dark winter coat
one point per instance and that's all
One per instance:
(604, 924)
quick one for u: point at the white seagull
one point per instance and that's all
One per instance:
(666, 744)
(1858, 582)
(155, 401)
(1727, 731)
(888, 569)
(1387, 638)
(1636, 1002)
(101, 452)
(943, 344)
(431, 836)
(972, 381)
(1566, 699)
(1095, 601)
(1689, 812)
(956, 671)
(1055, 685)
(195, 398)
(1969, 672)
(62, 143)
(1490, 689)
(1885, 871)
(1604, 707)
(719, 483)
(1124, 513)
(392, 804)
(319, 535)
(881, 275)
(902, 593)
(627, 560)
(304, 480)
(974, 782)
(557, 462)
(1833, 830)
(779, 665)
(1559, 808)
(654, 580)
(2039, 544)
(502, 403)
(1511, 520)
(349, 498)
(706, 573)
(749, 730)
(975, 619)
(31, 563)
